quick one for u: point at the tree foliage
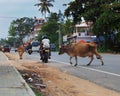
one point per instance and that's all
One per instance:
(105, 15)
(21, 27)
(50, 28)
(53, 26)
(44, 6)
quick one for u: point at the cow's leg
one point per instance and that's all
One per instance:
(70, 60)
(75, 60)
(20, 54)
(101, 61)
(98, 56)
(90, 60)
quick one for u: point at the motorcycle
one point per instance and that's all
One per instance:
(30, 51)
(45, 55)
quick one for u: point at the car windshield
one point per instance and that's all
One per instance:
(5, 46)
(35, 43)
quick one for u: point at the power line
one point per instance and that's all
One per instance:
(8, 17)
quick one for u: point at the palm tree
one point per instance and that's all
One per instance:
(44, 6)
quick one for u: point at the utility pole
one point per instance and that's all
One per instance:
(60, 36)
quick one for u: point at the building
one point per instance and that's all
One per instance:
(38, 23)
(81, 32)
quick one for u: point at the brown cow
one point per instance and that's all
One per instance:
(82, 50)
(20, 50)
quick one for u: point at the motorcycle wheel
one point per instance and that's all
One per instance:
(45, 58)
(29, 52)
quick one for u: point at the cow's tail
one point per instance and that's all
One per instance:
(93, 48)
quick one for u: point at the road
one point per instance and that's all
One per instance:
(107, 75)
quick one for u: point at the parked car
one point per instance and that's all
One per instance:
(6, 48)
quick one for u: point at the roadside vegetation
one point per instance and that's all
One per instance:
(103, 14)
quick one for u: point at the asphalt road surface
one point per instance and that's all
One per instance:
(107, 75)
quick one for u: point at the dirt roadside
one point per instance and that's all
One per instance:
(59, 83)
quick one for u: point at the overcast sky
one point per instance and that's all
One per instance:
(13, 9)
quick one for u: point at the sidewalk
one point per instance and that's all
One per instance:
(11, 82)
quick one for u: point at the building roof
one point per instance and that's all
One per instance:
(82, 25)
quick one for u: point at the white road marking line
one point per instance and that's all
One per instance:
(91, 69)
(101, 71)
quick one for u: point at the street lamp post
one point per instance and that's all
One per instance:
(61, 20)
(15, 39)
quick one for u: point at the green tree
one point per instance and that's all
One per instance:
(50, 29)
(53, 26)
(105, 15)
(19, 28)
(53, 17)
(75, 9)
(44, 6)
(67, 27)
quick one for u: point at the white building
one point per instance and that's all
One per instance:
(38, 23)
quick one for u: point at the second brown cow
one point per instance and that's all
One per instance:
(81, 50)
(20, 50)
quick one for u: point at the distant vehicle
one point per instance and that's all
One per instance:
(35, 46)
(52, 47)
(0, 48)
(6, 48)
(86, 38)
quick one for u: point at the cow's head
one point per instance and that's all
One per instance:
(61, 49)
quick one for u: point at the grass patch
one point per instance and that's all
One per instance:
(36, 93)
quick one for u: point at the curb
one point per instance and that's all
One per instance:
(25, 86)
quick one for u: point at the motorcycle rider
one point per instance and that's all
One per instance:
(29, 47)
(45, 43)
